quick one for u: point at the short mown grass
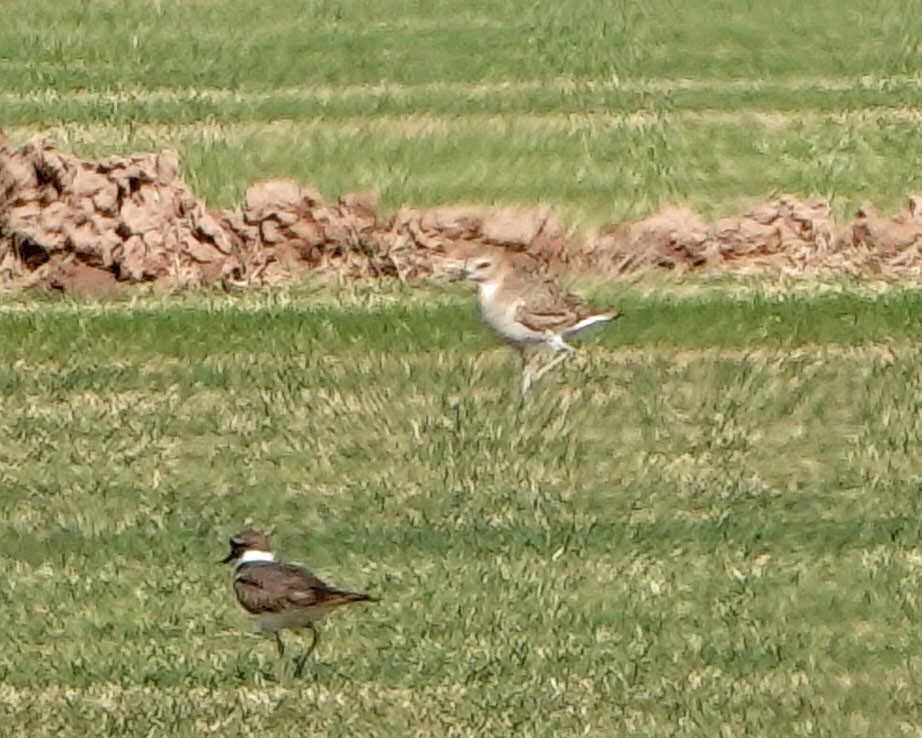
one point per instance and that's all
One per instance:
(707, 523)
(604, 110)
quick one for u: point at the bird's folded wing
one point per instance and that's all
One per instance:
(256, 599)
(304, 587)
(263, 590)
(545, 306)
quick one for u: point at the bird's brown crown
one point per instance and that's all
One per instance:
(246, 540)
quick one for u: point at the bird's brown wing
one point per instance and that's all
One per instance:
(545, 306)
(307, 589)
(263, 588)
(271, 587)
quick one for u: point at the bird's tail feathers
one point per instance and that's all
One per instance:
(345, 598)
(588, 322)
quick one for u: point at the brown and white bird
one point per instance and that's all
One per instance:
(281, 596)
(531, 313)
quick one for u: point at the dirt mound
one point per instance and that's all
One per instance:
(783, 236)
(133, 220)
(676, 238)
(76, 225)
(128, 217)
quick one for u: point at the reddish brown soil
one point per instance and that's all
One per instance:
(88, 226)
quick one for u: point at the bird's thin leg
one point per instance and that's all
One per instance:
(526, 371)
(299, 669)
(279, 644)
(529, 377)
(526, 380)
(550, 365)
(315, 640)
(556, 342)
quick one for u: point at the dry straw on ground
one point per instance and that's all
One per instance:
(77, 225)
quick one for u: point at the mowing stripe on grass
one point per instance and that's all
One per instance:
(481, 89)
(88, 128)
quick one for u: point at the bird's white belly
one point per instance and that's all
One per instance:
(290, 619)
(500, 316)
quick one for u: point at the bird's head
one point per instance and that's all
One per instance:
(479, 269)
(247, 541)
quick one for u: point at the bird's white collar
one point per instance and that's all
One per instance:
(252, 556)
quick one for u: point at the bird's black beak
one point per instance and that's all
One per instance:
(458, 275)
(227, 559)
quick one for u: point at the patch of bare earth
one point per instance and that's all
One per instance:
(75, 225)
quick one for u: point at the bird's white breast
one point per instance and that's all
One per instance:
(499, 311)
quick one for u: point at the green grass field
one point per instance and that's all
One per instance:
(709, 523)
(603, 109)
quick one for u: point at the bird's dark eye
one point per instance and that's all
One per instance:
(481, 265)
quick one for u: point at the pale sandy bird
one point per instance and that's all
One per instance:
(281, 596)
(531, 313)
